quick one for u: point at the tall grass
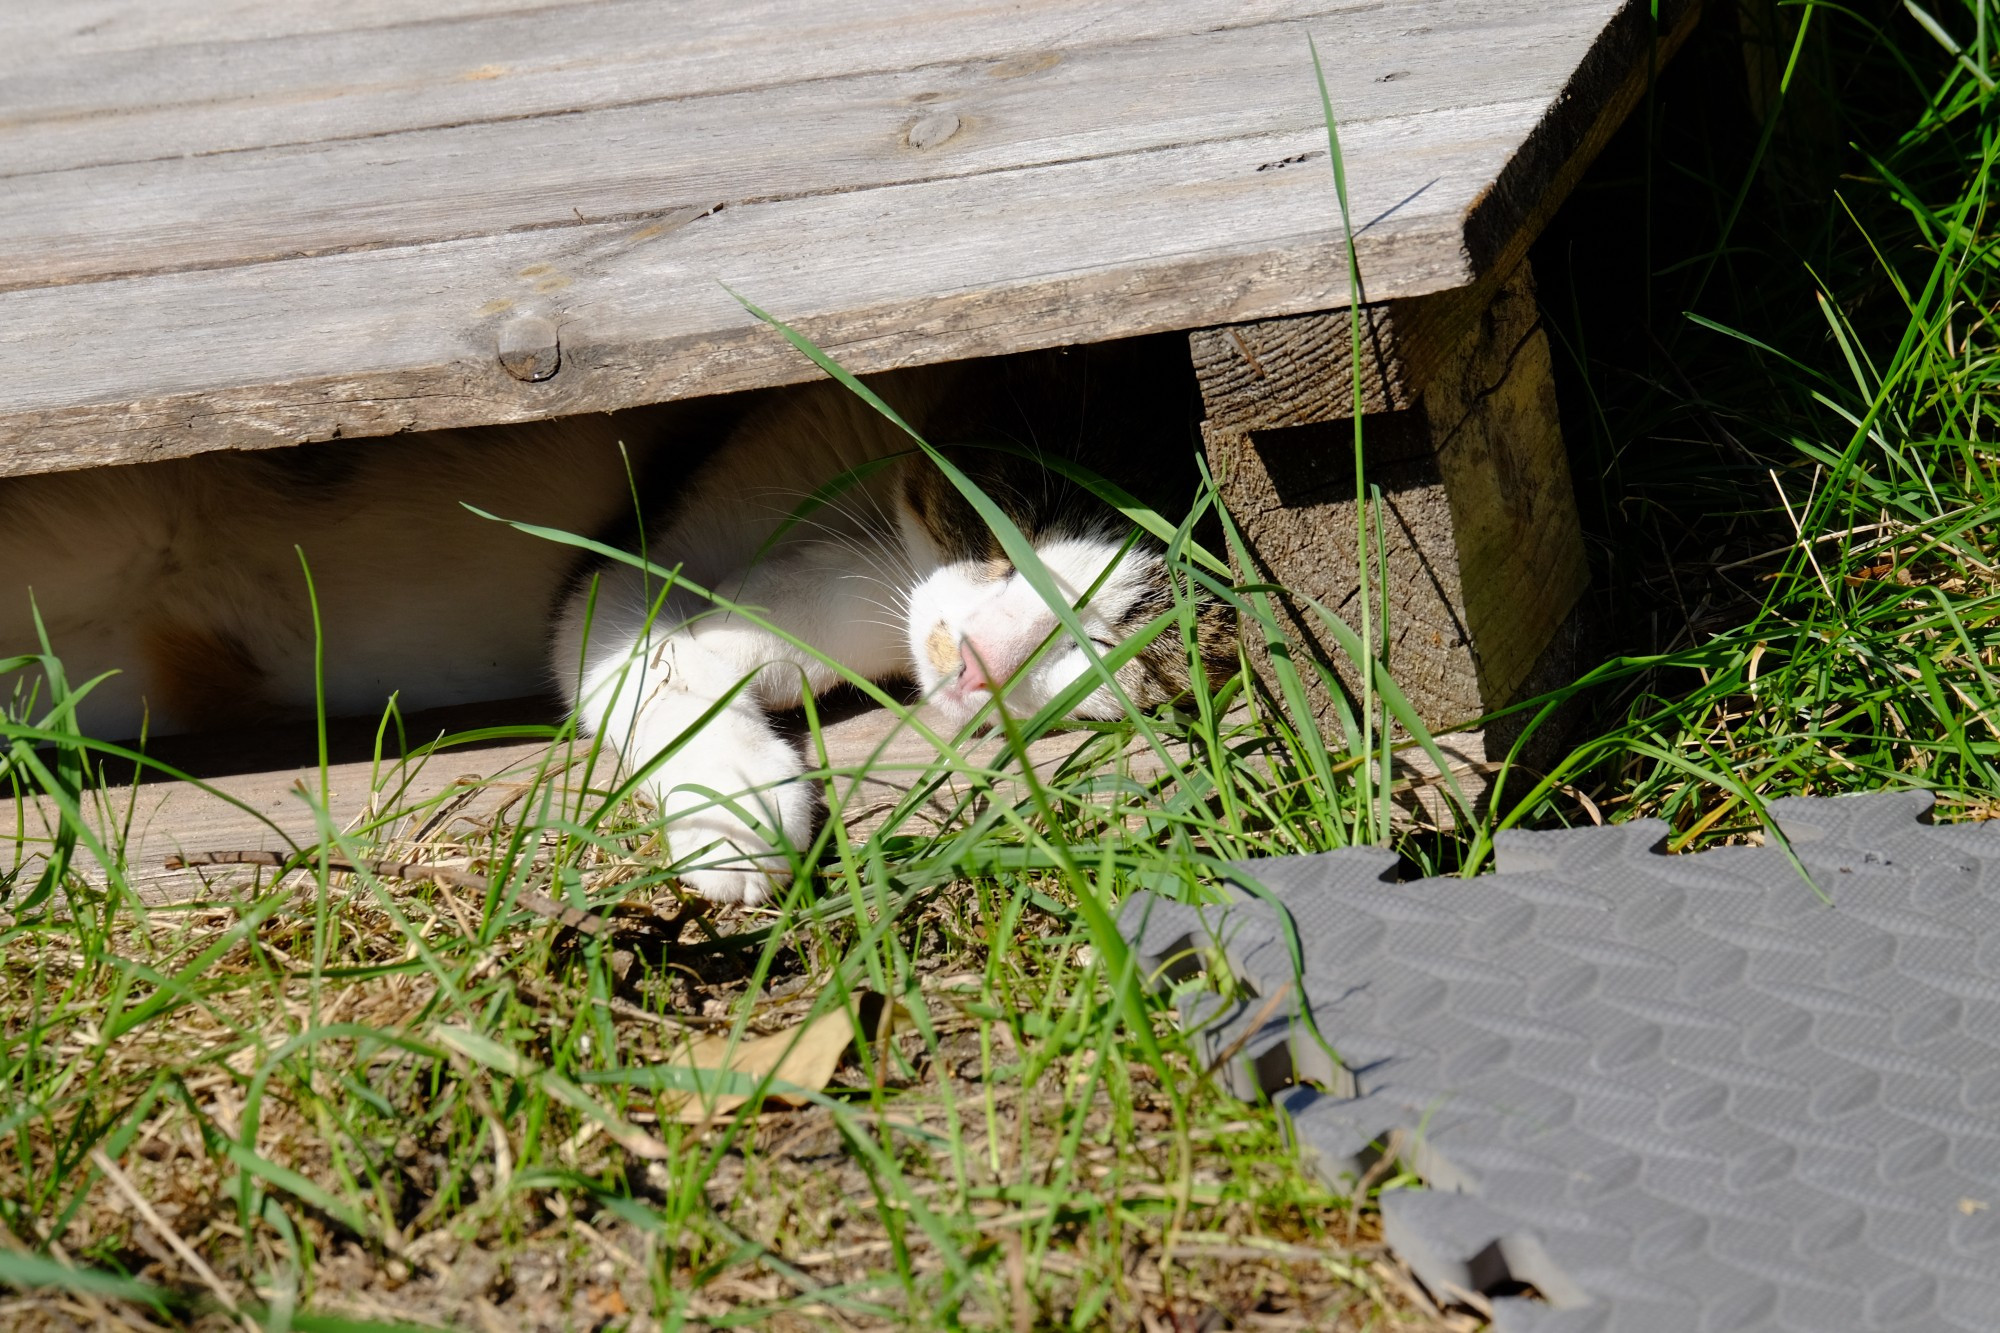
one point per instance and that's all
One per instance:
(1796, 461)
(363, 1103)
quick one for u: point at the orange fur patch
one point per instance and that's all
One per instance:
(942, 649)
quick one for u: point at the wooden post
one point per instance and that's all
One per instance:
(1483, 556)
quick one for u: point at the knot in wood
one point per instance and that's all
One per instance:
(529, 348)
(932, 130)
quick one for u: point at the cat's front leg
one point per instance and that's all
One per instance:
(646, 690)
(723, 779)
(728, 793)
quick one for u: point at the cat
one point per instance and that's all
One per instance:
(897, 574)
(181, 577)
(814, 509)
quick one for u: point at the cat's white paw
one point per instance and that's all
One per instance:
(748, 887)
(739, 757)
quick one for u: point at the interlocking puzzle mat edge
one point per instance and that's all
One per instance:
(1715, 1091)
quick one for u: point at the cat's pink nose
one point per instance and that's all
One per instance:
(985, 663)
(972, 676)
(993, 654)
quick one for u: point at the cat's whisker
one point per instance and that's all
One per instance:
(868, 544)
(898, 586)
(878, 530)
(839, 506)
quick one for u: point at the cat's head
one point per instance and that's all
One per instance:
(976, 622)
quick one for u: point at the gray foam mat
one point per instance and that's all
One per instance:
(1666, 1092)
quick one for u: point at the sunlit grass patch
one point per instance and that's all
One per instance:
(367, 1136)
(418, 1097)
(1803, 460)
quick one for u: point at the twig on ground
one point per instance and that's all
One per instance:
(123, 1184)
(1250, 1029)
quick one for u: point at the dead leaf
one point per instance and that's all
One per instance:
(802, 1057)
(608, 1303)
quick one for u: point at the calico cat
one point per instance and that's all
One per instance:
(815, 511)
(896, 575)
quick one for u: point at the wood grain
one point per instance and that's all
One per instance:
(483, 178)
(323, 220)
(266, 811)
(205, 92)
(1501, 460)
(1480, 546)
(1287, 372)
(31, 35)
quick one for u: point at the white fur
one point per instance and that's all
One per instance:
(642, 671)
(997, 625)
(859, 581)
(417, 596)
(646, 687)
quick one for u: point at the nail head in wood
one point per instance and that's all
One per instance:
(932, 130)
(529, 348)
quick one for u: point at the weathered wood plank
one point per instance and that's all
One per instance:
(880, 757)
(1271, 374)
(1019, 240)
(1479, 540)
(1501, 459)
(29, 34)
(406, 339)
(435, 799)
(429, 185)
(222, 92)
(151, 821)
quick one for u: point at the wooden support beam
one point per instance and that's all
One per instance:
(1481, 549)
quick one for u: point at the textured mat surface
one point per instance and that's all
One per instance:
(1667, 1092)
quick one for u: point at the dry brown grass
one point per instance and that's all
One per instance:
(993, 1152)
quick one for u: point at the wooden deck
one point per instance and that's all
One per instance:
(240, 224)
(237, 225)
